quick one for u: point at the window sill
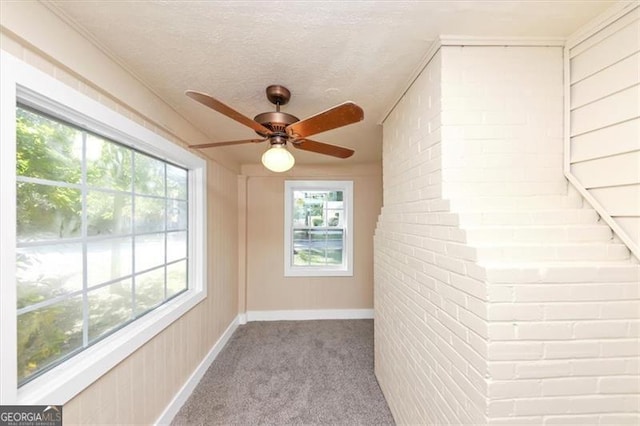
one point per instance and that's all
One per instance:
(65, 381)
(319, 272)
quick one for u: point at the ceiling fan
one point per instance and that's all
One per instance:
(280, 128)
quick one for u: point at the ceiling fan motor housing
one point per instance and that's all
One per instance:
(275, 121)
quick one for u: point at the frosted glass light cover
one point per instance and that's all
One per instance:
(278, 159)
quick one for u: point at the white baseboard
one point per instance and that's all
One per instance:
(242, 318)
(181, 397)
(315, 314)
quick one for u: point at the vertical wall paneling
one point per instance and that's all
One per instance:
(242, 247)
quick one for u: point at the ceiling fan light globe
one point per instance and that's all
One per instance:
(278, 159)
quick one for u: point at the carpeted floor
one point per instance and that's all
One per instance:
(291, 372)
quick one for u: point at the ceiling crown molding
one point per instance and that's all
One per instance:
(433, 49)
(457, 40)
(600, 22)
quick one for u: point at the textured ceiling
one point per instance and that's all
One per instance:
(325, 52)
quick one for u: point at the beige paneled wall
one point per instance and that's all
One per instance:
(604, 109)
(266, 287)
(138, 389)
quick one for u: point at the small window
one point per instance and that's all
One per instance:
(318, 228)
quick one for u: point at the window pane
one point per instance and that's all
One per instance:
(47, 212)
(299, 213)
(109, 308)
(315, 215)
(314, 256)
(309, 208)
(149, 214)
(308, 247)
(335, 246)
(108, 164)
(176, 278)
(149, 175)
(318, 238)
(176, 182)
(45, 272)
(335, 213)
(149, 251)
(149, 290)
(334, 218)
(48, 334)
(300, 247)
(301, 257)
(108, 213)
(108, 260)
(176, 246)
(47, 149)
(176, 215)
(334, 256)
(300, 244)
(335, 238)
(333, 196)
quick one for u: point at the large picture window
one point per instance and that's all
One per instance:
(318, 228)
(102, 236)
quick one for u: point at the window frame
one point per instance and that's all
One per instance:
(344, 270)
(20, 82)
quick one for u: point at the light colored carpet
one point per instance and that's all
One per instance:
(291, 372)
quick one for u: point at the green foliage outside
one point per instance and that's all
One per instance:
(45, 151)
(49, 150)
(318, 257)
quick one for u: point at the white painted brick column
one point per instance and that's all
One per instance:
(430, 298)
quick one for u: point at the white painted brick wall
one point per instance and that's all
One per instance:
(502, 121)
(499, 297)
(430, 318)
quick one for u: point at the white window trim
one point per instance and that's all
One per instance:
(20, 81)
(345, 270)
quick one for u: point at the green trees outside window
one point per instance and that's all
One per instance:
(101, 238)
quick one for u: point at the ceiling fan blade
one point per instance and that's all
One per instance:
(338, 116)
(217, 144)
(216, 105)
(323, 148)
